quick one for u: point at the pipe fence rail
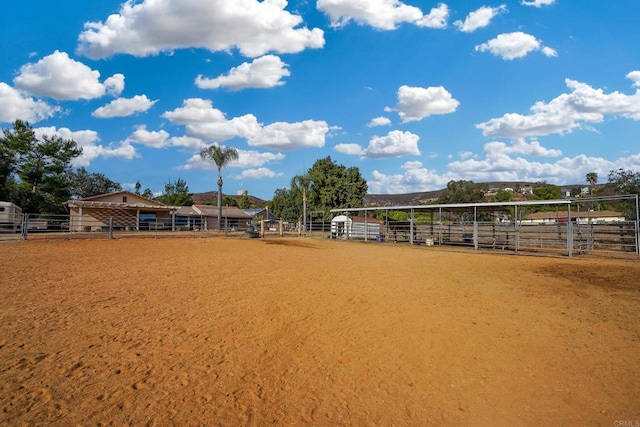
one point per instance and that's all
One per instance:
(566, 227)
(35, 226)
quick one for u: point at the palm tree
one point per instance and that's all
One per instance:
(592, 179)
(303, 182)
(221, 157)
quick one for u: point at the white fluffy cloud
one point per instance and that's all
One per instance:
(566, 112)
(291, 136)
(257, 173)
(59, 77)
(565, 170)
(519, 146)
(123, 107)
(210, 124)
(148, 27)
(514, 45)
(497, 165)
(379, 121)
(414, 178)
(114, 85)
(537, 3)
(395, 144)
(246, 159)
(635, 77)
(14, 105)
(381, 14)
(351, 149)
(416, 103)
(479, 18)
(88, 141)
(437, 17)
(155, 139)
(264, 72)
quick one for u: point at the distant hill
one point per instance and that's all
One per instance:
(425, 197)
(409, 199)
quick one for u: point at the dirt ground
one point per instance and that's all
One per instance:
(221, 331)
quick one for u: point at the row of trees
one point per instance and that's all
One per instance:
(325, 186)
(36, 174)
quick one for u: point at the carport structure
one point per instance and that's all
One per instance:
(500, 225)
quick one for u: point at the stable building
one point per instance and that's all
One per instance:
(129, 211)
(122, 210)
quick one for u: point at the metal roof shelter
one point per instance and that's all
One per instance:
(460, 207)
(471, 230)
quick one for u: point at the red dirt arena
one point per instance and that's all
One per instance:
(297, 331)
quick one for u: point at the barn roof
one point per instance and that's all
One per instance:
(110, 200)
(227, 211)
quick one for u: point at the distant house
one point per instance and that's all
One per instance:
(526, 189)
(582, 217)
(126, 210)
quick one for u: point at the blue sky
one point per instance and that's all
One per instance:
(413, 93)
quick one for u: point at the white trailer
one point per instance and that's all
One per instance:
(10, 217)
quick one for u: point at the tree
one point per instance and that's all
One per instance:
(335, 186)
(592, 179)
(86, 184)
(244, 202)
(176, 194)
(229, 201)
(623, 182)
(548, 192)
(36, 172)
(503, 196)
(302, 183)
(146, 193)
(283, 205)
(221, 157)
(13, 146)
(463, 192)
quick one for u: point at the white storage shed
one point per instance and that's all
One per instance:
(355, 227)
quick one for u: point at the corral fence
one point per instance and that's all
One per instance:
(35, 226)
(566, 227)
